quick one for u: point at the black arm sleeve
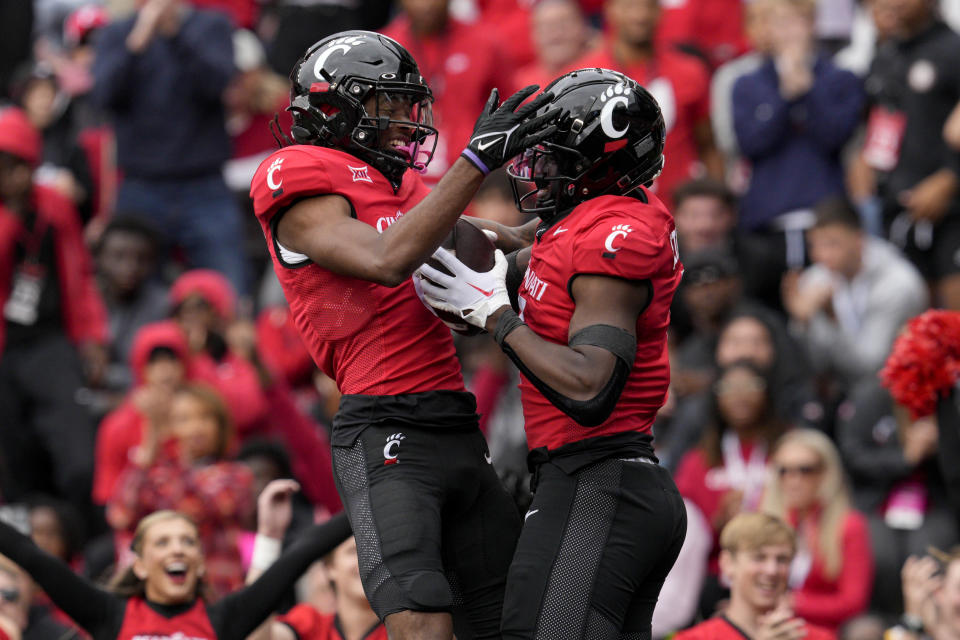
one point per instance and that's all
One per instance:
(513, 279)
(595, 411)
(238, 614)
(89, 606)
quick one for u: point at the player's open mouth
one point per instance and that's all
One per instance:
(177, 572)
(402, 147)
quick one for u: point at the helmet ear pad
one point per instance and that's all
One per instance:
(324, 116)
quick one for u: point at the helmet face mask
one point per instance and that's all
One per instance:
(609, 141)
(362, 93)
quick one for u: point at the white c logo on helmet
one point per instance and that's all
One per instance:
(343, 45)
(610, 98)
(273, 169)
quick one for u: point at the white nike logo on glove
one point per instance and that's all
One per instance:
(482, 146)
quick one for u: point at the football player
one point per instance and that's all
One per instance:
(590, 339)
(347, 220)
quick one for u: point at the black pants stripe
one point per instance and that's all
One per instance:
(594, 552)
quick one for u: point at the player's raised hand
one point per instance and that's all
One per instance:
(470, 294)
(275, 508)
(503, 130)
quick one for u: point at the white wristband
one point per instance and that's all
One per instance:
(266, 550)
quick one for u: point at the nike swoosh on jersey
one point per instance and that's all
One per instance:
(560, 230)
(486, 293)
(481, 146)
(529, 513)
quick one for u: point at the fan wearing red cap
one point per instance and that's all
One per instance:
(53, 323)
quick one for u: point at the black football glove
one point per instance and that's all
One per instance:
(504, 131)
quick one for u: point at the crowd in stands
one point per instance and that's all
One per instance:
(148, 360)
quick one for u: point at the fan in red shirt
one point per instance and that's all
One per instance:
(715, 27)
(460, 62)
(560, 37)
(679, 82)
(757, 552)
(593, 294)
(347, 220)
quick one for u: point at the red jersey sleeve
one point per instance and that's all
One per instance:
(289, 175)
(623, 246)
(306, 622)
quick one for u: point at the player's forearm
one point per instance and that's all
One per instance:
(579, 374)
(406, 244)
(509, 239)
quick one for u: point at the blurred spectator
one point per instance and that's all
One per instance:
(161, 74)
(679, 82)
(253, 97)
(204, 305)
(757, 335)
(198, 481)
(721, 92)
(705, 212)
(225, 354)
(160, 362)
(875, 23)
(757, 552)
(560, 37)
(126, 257)
(282, 347)
(850, 304)
(29, 621)
(243, 13)
(512, 22)
(290, 27)
(726, 473)
(931, 594)
(63, 165)
(712, 28)
(460, 63)
(951, 128)
(712, 289)
(832, 571)
(913, 86)
(268, 460)
(54, 329)
(896, 482)
(16, 43)
(792, 117)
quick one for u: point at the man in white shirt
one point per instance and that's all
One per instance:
(851, 303)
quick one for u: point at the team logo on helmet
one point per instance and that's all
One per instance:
(610, 98)
(341, 46)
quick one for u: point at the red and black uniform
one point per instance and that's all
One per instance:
(309, 624)
(410, 462)
(107, 616)
(720, 628)
(606, 522)
(681, 85)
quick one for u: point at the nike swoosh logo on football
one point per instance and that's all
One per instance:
(481, 146)
(486, 293)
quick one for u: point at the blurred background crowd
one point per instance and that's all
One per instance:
(148, 359)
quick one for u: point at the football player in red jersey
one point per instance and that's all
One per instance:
(347, 221)
(590, 340)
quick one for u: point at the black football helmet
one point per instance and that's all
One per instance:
(609, 140)
(333, 81)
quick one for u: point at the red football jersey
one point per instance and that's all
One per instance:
(140, 622)
(721, 629)
(681, 85)
(371, 339)
(624, 238)
(310, 624)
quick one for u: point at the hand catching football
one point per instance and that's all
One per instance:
(469, 294)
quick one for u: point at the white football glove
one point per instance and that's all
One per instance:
(471, 295)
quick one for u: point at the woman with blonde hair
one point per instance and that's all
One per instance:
(832, 572)
(160, 594)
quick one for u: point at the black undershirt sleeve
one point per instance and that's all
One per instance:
(238, 614)
(95, 610)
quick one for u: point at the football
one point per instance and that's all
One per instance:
(474, 249)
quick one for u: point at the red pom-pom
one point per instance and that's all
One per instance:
(924, 362)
